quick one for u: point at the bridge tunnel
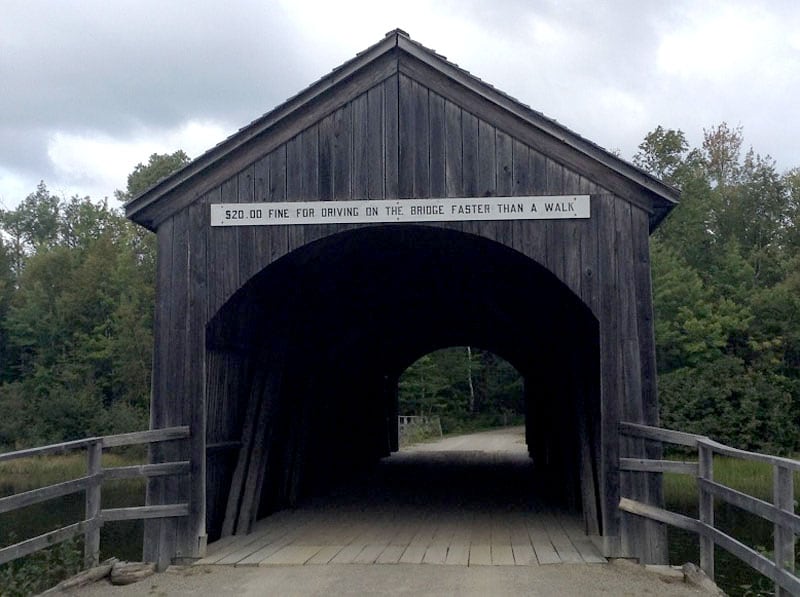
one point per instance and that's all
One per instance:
(303, 363)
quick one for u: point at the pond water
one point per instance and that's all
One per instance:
(733, 576)
(121, 539)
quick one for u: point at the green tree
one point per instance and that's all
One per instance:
(158, 167)
(77, 293)
(662, 153)
(725, 284)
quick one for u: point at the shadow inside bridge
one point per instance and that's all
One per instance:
(430, 505)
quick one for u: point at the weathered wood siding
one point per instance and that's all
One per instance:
(397, 139)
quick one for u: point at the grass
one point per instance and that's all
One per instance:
(38, 471)
(752, 478)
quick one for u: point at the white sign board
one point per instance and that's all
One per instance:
(400, 210)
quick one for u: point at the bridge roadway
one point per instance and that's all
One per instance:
(463, 507)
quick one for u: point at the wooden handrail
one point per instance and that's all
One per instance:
(92, 484)
(780, 512)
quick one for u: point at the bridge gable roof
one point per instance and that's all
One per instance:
(395, 54)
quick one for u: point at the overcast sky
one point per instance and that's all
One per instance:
(90, 88)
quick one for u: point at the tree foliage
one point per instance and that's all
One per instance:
(77, 290)
(726, 290)
(464, 386)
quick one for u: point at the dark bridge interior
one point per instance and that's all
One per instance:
(321, 336)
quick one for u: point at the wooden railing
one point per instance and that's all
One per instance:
(95, 516)
(780, 512)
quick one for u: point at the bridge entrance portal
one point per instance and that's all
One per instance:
(396, 206)
(321, 337)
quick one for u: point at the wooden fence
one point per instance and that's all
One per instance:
(91, 483)
(780, 512)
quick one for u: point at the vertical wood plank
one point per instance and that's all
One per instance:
(226, 250)
(571, 233)
(648, 398)
(504, 164)
(421, 147)
(504, 168)
(180, 407)
(783, 498)
(276, 193)
(469, 148)
(263, 234)
(311, 177)
(296, 173)
(437, 146)
(469, 164)
(391, 118)
(248, 264)
(325, 152)
(487, 160)
(706, 508)
(152, 548)
(554, 229)
(94, 466)
(590, 294)
(361, 166)
(520, 181)
(611, 373)
(407, 137)
(196, 393)
(537, 185)
(538, 173)
(342, 149)
(454, 179)
(375, 143)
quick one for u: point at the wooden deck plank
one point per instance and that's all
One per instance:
(502, 554)
(325, 555)
(246, 550)
(430, 537)
(413, 554)
(292, 555)
(584, 545)
(558, 537)
(435, 554)
(391, 555)
(458, 554)
(370, 553)
(348, 554)
(543, 548)
(524, 554)
(480, 554)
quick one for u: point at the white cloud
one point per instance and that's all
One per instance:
(720, 43)
(13, 188)
(98, 164)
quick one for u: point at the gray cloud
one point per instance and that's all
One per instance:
(119, 68)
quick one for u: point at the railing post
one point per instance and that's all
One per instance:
(783, 498)
(91, 549)
(706, 507)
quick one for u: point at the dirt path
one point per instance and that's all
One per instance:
(401, 579)
(508, 440)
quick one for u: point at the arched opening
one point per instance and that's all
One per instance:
(456, 390)
(304, 360)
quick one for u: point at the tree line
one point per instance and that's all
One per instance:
(77, 295)
(77, 291)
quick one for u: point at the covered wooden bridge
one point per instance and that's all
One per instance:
(396, 206)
